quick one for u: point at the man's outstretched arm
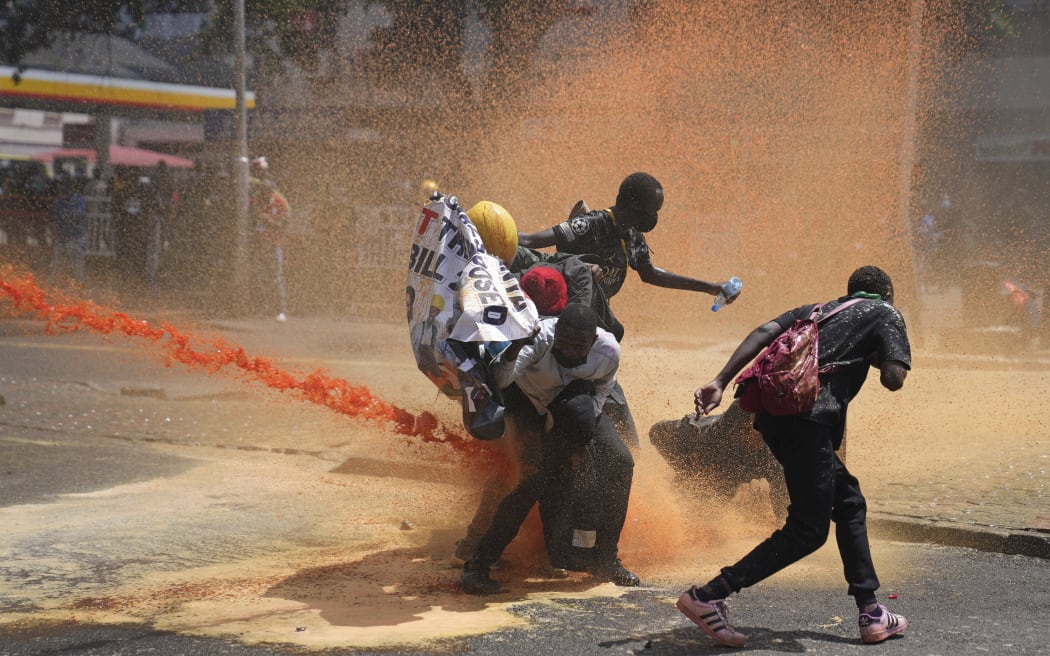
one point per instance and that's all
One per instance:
(708, 397)
(663, 278)
(541, 239)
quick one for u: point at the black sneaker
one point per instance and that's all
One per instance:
(616, 573)
(475, 580)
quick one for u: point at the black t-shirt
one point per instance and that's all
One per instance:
(578, 279)
(598, 239)
(869, 331)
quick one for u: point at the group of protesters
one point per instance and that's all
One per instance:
(566, 420)
(138, 226)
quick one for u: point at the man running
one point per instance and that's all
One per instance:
(820, 488)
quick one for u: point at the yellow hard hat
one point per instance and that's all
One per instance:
(497, 229)
(438, 302)
(428, 188)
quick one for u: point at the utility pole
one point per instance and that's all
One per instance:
(240, 262)
(911, 287)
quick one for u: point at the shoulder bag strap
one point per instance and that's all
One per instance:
(836, 366)
(841, 306)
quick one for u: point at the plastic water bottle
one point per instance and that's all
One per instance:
(729, 290)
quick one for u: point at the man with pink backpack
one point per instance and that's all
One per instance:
(820, 488)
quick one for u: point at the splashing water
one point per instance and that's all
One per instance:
(63, 314)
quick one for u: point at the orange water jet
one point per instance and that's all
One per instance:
(63, 314)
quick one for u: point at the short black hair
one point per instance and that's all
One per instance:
(871, 280)
(579, 317)
(637, 187)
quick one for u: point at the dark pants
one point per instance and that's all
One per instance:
(600, 498)
(821, 490)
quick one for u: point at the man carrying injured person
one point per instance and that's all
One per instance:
(554, 389)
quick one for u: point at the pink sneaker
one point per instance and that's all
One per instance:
(711, 616)
(877, 629)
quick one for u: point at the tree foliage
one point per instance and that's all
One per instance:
(425, 35)
(430, 36)
(277, 30)
(297, 30)
(29, 25)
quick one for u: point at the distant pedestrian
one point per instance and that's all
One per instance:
(270, 212)
(69, 229)
(160, 215)
(820, 488)
(927, 246)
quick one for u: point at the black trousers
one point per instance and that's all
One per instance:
(597, 496)
(821, 490)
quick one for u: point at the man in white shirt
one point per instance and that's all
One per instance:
(554, 388)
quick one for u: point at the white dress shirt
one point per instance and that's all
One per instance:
(540, 376)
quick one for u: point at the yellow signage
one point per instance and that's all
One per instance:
(102, 90)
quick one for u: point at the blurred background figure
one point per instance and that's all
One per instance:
(927, 245)
(1022, 310)
(427, 189)
(160, 214)
(270, 212)
(134, 208)
(68, 223)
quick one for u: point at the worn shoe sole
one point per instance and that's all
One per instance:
(716, 630)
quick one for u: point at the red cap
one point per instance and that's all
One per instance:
(547, 289)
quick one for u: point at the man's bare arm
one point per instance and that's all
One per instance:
(663, 278)
(541, 239)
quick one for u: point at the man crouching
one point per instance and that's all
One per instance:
(554, 388)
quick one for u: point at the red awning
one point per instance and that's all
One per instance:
(119, 156)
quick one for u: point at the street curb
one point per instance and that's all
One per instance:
(983, 538)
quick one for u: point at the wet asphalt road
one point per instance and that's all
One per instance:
(959, 601)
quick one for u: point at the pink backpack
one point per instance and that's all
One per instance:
(785, 378)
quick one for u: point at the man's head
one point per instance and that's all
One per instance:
(574, 335)
(546, 287)
(871, 280)
(638, 201)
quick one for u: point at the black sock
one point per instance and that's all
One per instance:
(716, 588)
(862, 602)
